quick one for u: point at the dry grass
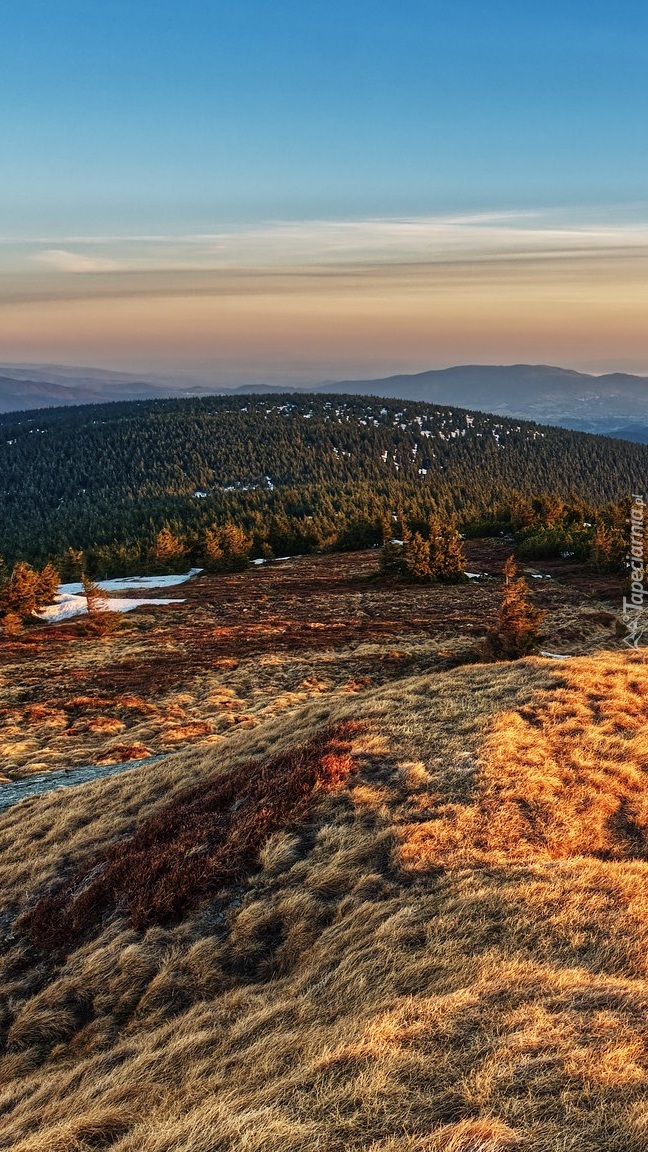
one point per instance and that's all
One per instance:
(562, 778)
(255, 642)
(447, 952)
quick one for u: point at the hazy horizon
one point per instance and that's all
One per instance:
(204, 376)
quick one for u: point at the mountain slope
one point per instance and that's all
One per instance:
(445, 952)
(295, 471)
(33, 386)
(22, 394)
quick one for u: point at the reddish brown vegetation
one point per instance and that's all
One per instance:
(516, 632)
(312, 603)
(273, 624)
(206, 839)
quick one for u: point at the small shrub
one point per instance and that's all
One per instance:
(545, 543)
(516, 632)
(12, 624)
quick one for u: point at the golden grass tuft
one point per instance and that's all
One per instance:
(562, 778)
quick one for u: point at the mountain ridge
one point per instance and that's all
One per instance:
(614, 403)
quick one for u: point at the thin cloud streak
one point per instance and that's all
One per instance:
(77, 262)
(303, 244)
(405, 293)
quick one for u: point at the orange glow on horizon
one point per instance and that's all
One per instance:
(323, 321)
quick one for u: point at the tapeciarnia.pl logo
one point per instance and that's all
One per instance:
(633, 608)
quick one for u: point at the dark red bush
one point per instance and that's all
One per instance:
(207, 838)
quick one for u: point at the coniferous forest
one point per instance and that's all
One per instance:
(160, 482)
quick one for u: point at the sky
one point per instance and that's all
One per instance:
(316, 190)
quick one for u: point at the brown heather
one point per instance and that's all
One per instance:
(208, 837)
(446, 952)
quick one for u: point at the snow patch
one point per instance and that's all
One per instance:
(67, 607)
(131, 583)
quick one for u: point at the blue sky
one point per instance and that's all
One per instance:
(120, 114)
(151, 118)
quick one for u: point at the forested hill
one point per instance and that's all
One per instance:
(295, 471)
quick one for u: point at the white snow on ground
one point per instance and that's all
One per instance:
(67, 606)
(555, 655)
(473, 575)
(131, 583)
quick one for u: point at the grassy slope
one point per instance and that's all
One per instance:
(450, 953)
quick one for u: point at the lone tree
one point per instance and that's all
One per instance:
(101, 621)
(95, 598)
(516, 632)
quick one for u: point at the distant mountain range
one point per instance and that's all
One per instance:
(615, 404)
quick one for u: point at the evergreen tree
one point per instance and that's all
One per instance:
(21, 592)
(236, 547)
(100, 620)
(227, 548)
(392, 559)
(71, 566)
(449, 565)
(169, 549)
(214, 555)
(516, 632)
(601, 548)
(95, 598)
(47, 585)
(521, 514)
(417, 559)
(25, 591)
